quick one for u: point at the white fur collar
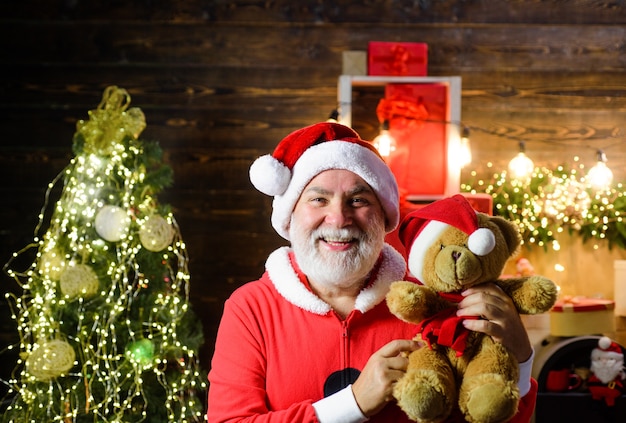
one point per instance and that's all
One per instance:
(287, 283)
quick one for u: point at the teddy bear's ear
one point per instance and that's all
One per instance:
(509, 231)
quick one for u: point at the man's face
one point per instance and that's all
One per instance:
(337, 228)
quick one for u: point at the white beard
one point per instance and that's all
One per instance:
(338, 269)
(607, 369)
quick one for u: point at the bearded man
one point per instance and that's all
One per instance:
(313, 340)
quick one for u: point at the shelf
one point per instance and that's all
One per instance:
(346, 82)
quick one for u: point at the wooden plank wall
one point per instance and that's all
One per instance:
(222, 81)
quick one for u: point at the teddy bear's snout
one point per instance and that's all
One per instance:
(456, 267)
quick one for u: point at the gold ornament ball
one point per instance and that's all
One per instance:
(79, 281)
(51, 264)
(156, 233)
(112, 223)
(52, 359)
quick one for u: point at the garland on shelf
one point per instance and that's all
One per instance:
(555, 201)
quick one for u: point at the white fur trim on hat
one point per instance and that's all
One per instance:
(337, 155)
(425, 239)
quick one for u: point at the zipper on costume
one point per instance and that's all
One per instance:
(345, 344)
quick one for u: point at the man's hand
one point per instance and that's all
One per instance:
(374, 387)
(499, 318)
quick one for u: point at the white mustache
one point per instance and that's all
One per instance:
(337, 235)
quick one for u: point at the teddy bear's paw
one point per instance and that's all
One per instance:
(423, 397)
(493, 401)
(407, 301)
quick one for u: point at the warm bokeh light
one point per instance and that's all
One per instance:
(521, 167)
(384, 142)
(600, 176)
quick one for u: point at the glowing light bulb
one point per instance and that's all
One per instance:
(600, 176)
(521, 167)
(384, 142)
(465, 152)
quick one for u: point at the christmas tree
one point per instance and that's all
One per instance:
(106, 330)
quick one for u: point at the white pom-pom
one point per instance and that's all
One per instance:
(481, 242)
(269, 175)
(604, 342)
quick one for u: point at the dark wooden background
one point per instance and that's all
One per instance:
(221, 82)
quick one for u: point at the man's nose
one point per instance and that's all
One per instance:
(339, 215)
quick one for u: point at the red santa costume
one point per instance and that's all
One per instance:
(607, 368)
(282, 354)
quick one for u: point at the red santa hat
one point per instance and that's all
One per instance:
(607, 349)
(305, 153)
(421, 228)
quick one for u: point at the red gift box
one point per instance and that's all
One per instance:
(397, 59)
(417, 116)
(582, 304)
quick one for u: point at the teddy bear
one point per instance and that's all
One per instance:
(451, 247)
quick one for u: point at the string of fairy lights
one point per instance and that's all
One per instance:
(556, 201)
(107, 296)
(546, 202)
(543, 202)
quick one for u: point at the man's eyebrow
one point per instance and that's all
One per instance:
(317, 190)
(362, 189)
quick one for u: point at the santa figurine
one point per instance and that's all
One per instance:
(607, 371)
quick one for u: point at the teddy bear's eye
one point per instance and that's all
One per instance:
(441, 246)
